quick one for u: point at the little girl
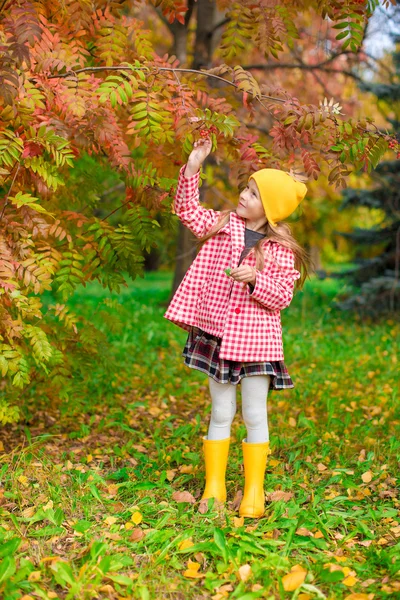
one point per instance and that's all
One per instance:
(230, 301)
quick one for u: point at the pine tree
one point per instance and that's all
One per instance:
(376, 279)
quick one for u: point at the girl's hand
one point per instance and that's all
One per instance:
(201, 149)
(245, 274)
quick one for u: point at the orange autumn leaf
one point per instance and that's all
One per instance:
(291, 581)
(186, 544)
(193, 570)
(357, 596)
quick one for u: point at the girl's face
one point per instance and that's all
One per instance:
(250, 206)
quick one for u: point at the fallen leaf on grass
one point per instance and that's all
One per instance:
(359, 596)
(186, 544)
(238, 521)
(366, 477)
(279, 495)
(186, 469)
(244, 572)
(304, 531)
(137, 535)
(171, 474)
(28, 512)
(292, 422)
(234, 505)
(349, 581)
(110, 520)
(183, 497)
(137, 517)
(193, 570)
(34, 576)
(291, 581)
(321, 467)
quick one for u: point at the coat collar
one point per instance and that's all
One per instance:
(236, 226)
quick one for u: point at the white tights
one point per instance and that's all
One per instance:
(254, 408)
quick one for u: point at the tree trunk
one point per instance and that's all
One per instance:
(315, 255)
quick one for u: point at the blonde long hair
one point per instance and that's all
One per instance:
(282, 234)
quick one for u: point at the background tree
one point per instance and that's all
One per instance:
(376, 277)
(81, 85)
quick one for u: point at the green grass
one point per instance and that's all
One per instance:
(86, 495)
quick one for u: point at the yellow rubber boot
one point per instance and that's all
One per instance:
(216, 459)
(254, 461)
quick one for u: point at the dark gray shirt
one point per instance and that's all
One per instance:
(250, 240)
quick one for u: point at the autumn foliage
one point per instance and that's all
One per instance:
(83, 79)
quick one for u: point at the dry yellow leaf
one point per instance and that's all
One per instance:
(238, 521)
(137, 517)
(357, 596)
(349, 581)
(304, 597)
(366, 477)
(1, 446)
(110, 520)
(108, 589)
(244, 572)
(273, 462)
(382, 541)
(340, 558)
(27, 597)
(28, 512)
(186, 469)
(129, 525)
(23, 480)
(188, 543)
(292, 422)
(304, 531)
(321, 467)
(193, 570)
(256, 587)
(346, 571)
(34, 576)
(89, 458)
(294, 579)
(171, 474)
(48, 505)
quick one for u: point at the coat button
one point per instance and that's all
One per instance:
(237, 310)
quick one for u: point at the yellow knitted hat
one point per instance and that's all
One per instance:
(280, 193)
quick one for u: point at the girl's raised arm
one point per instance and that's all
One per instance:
(186, 203)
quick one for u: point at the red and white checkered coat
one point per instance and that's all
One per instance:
(248, 323)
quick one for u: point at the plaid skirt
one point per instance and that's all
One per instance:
(201, 352)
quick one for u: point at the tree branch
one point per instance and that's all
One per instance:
(303, 67)
(155, 70)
